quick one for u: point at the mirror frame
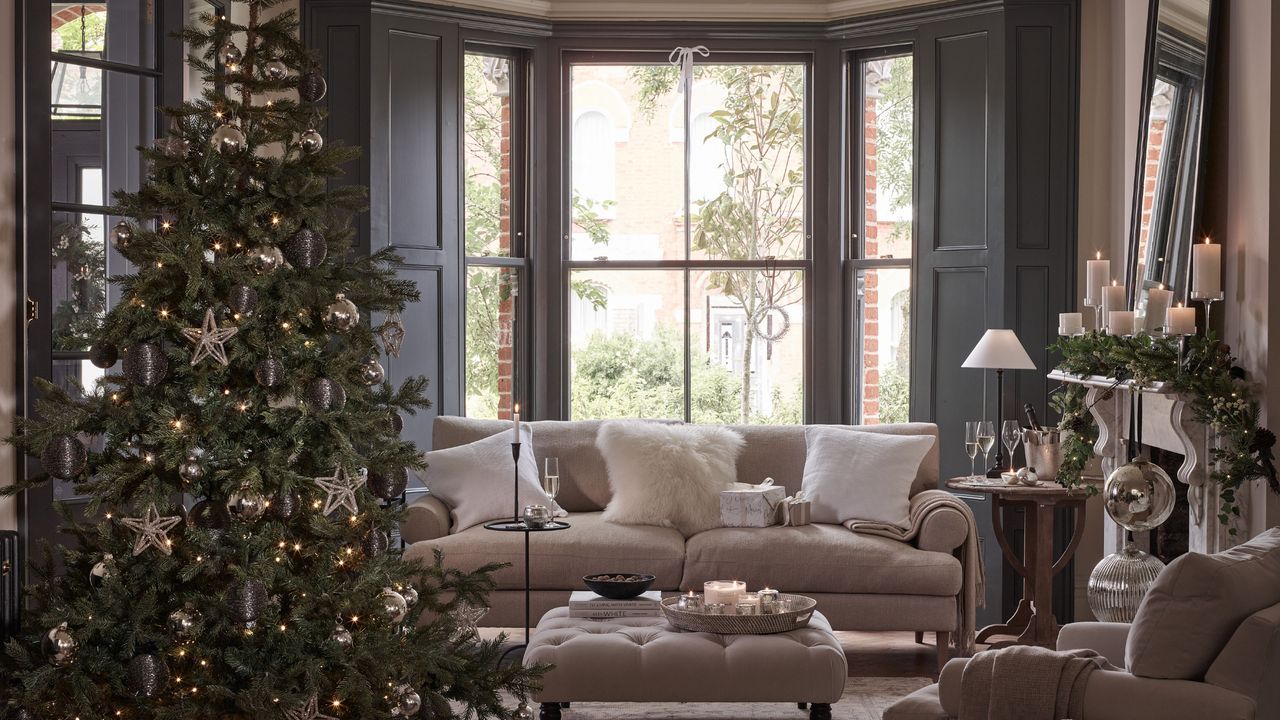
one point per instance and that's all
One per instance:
(1133, 282)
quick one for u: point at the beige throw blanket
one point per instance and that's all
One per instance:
(973, 592)
(1025, 682)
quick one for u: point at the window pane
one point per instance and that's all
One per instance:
(627, 347)
(747, 162)
(491, 338)
(79, 279)
(884, 342)
(120, 30)
(748, 354)
(627, 163)
(487, 154)
(888, 128)
(106, 136)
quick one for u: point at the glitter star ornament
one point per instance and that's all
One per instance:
(309, 711)
(153, 531)
(341, 491)
(392, 333)
(209, 339)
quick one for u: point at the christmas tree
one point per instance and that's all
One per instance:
(243, 452)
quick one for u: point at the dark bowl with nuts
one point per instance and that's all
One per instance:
(618, 586)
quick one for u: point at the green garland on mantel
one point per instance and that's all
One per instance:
(1221, 399)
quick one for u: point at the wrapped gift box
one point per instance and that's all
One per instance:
(746, 505)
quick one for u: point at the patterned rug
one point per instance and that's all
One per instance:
(865, 698)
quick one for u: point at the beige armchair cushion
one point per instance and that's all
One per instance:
(1250, 664)
(1197, 603)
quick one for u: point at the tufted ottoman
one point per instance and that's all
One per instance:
(648, 660)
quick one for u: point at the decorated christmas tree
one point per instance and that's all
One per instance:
(242, 452)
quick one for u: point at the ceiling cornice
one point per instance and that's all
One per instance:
(686, 10)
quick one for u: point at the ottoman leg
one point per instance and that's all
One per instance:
(820, 711)
(803, 706)
(551, 711)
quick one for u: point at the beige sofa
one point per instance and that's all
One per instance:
(862, 582)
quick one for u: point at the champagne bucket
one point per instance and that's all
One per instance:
(1044, 452)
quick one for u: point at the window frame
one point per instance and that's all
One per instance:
(568, 58)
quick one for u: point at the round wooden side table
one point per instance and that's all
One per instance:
(1033, 622)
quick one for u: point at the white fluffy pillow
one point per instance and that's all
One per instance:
(476, 480)
(851, 475)
(668, 475)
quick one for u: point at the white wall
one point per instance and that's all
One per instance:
(9, 307)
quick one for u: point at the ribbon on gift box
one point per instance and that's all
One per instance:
(787, 507)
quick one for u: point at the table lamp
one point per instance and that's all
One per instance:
(999, 350)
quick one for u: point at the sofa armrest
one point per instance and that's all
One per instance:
(949, 685)
(426, 518)
(1105, 638)
(943, 528)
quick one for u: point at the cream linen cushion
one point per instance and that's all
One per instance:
(1196, 604)
(475, 480)
(850, 475)
(668, 475)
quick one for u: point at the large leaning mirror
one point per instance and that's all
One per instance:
(1169, 174)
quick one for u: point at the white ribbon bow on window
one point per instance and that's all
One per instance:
(682, 57)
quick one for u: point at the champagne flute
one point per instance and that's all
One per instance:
(551, 477)
(986, 439)
(1011, 433)
(971, 445)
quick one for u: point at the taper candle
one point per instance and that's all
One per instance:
(515, 423)
(1206, 270)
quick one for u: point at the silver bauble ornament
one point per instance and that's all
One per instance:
(104, 355)
(397, 423)
(410, 595)
(59, 646)
(523, 712)
(121, 235)
(341, 315)
(342, 637)
(372, 372)
(312, 87)
(212, 517)
(246, 504)
(246, 599)
(101, 572)
(148, 675)
(242, 300)
(269, 372)
(228, 140)
(311, 142)
(275, 70)
(323, 394)
(229, 54)
(182, 623)
(267, 259)
(1118, 584)
(145, 364)
(64, 457)
(190, 469)
(1139, 495)
(408, 702)
(394, 606)
(305, 249)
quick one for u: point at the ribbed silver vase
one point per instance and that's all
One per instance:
(1118, 584)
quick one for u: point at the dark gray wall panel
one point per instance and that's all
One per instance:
(962, 67)
(960, 310)
(1031, 288)
(422, 352)
(415, 169)
(1032, 122)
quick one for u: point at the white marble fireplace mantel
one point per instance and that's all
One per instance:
(1168, 422)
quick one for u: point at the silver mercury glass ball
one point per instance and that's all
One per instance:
(59, 646)
(524, 712)
(246, 504)
(408, 702)
(311, 141)
(101, 571)
(410, 595)
(372, 372)
(1139, 495)
(341, 315)
(342, 637)
(267, 259)
(229, 54)
(190, 469)
(228, 140)
(275, 70)
(121, 235)
(394, 605)
(182, 622)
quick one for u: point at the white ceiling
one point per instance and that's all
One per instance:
(723, 10)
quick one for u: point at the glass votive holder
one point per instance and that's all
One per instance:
(748, 607)
(537, 516)
(785, 604)
(690, 603)
(716, 609)
(768, 595)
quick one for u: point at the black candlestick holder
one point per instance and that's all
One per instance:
(515, 487)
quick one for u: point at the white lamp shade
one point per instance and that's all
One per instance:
(999, 350)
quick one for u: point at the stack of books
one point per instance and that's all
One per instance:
(588, 605)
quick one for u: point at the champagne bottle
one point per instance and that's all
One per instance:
(1031, 417)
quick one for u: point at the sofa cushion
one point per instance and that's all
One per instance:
(862, 476)
(561, 558)
(1195, 605)
(818, 558)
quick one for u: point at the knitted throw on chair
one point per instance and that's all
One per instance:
(1025, 682)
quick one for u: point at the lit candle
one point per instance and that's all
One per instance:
(515, 424)
(689, 603)
(1097, 272)
(1158, 301)
(723, 592)
(769, 604)
(1206, 270)
(1113, 299)
(1070, 323)
(1182, 320)
(1120, 322)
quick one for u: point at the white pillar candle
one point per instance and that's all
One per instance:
(1097, 272)
(724, 592)
(1158, 301)
(1070, 323)
(1113, 299)
(1182, 320)
(1120, 322)
(1206, 270)
(515, 424)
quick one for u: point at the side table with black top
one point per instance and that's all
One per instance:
(523, 527)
